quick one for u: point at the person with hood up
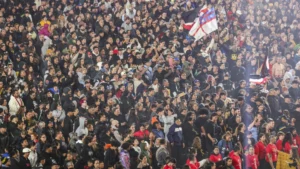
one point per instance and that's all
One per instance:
(236, 159)
(288, 78)
(82, 129)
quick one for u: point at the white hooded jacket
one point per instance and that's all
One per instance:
(81, 130)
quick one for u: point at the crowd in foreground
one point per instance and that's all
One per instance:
(119, 84)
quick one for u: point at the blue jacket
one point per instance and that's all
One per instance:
(223, 145)
(158, 133)
(175, 134)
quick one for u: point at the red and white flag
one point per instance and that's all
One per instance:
(204, 24)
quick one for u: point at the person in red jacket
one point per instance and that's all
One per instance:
(235, 156)
(170, 163)
(215, 156)
(287, 143)
(142, 133)
(296, 138)
(271, 154)
(251, 159)
(193, 163)
(280, 136)
(260, 150)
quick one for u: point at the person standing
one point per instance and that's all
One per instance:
(68, 125)
(251, 159)
(15, 103)
(210, 132)
(271, 154)
(162, 153)
(24, 161)
(176, 139)
(124, 155)
(260, 150)
(236, 159)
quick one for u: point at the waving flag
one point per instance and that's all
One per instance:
(261, 77)
(204, 24)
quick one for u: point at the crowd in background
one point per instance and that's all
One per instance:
(115, 84)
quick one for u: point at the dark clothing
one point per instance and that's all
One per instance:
(25, 163)
(68, 127)
(189, 133)
(100, 129)
(294, 92)
(210, 129)
(175, 135)
(15, 164)
(237, 74)
(296, 115)
(274, 106)
(4, 142)
(111, 157)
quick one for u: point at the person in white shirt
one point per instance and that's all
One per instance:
(33, 157)
(15, 103)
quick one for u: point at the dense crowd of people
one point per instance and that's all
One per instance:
(119, 84)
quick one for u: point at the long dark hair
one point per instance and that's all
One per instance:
(252, 142)
(288, 138)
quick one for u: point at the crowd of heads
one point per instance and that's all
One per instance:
(121, 83)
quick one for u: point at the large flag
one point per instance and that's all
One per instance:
(204, 24)
(261, 76)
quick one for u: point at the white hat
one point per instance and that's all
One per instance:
(123, 73)
(26, 150)
(239, 12)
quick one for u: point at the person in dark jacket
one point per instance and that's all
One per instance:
(68, 125)
(30, 101)
(24, 161)
(15, 159)
(188, 131)
(101, 126)
(274, 104)
(294, 90)
(87, 152)
(296, 117)
(4, 138)
(111, 154)
(238, 72)
(175, 137)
